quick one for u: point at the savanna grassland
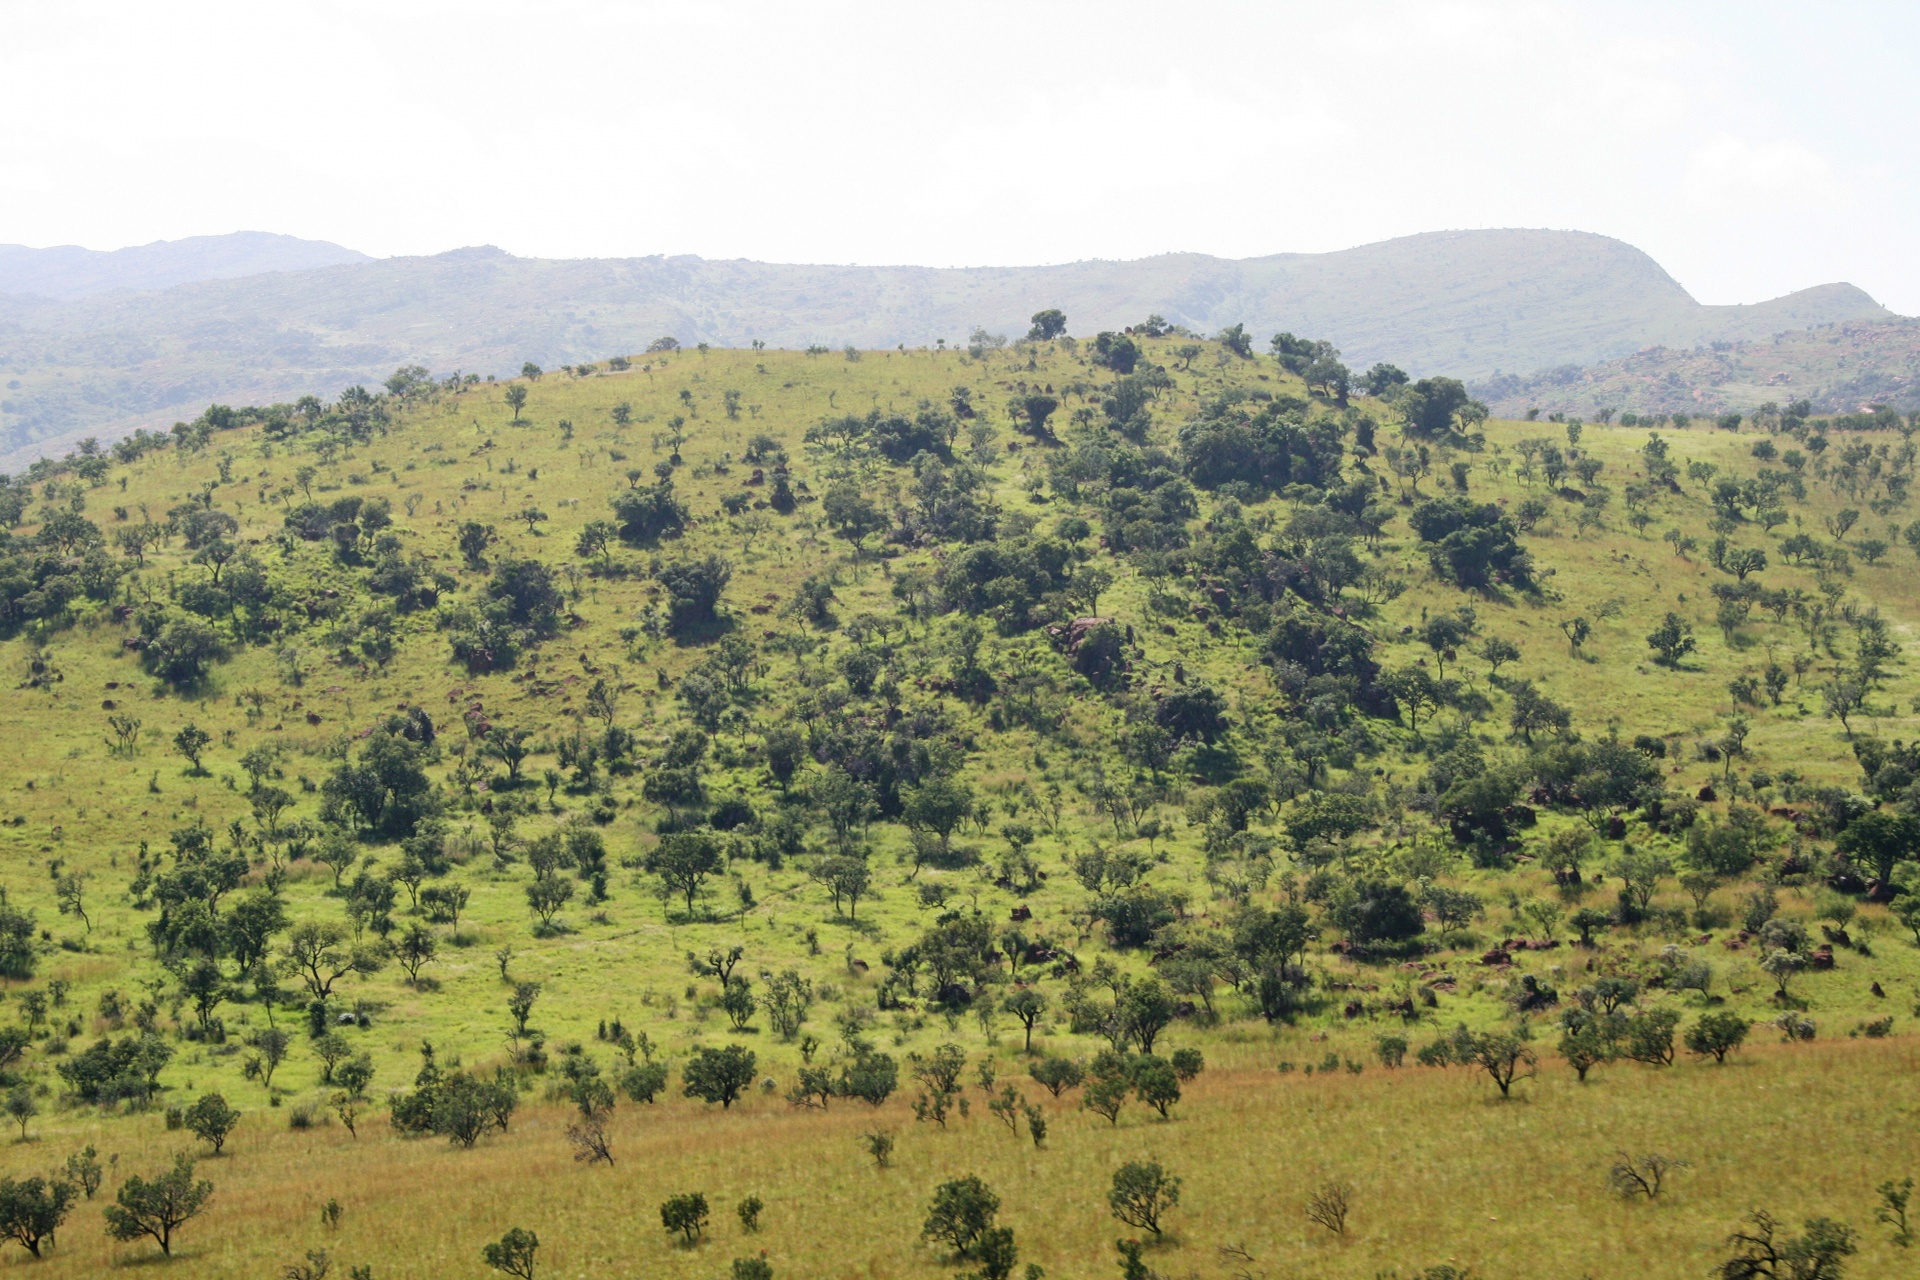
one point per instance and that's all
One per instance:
(944, 684)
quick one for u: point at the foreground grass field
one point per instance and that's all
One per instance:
(1443, 1171)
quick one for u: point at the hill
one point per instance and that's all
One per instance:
(1464, 303)
(407, 769)
(1837, 368)
(67, 272)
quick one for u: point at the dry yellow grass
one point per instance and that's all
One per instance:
(1443, 1171)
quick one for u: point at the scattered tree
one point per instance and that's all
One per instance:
(158, 1207)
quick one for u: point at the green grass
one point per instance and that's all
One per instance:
(1444, 1172)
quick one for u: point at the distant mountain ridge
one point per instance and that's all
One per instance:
(68, 271)
(1839, 368)
(1467, 303)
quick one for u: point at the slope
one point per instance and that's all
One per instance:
(582, 681)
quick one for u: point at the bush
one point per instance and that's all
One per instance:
(647, 515)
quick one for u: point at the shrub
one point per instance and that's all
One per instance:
(1392, 1049)
(879, 1145)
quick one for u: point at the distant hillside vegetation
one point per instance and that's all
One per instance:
(1839, 368)
(1468, 303)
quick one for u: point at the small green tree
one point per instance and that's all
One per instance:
(1502, 1055)
(719, 1075)
(21, 1108)
(1672, 640)
(85, 1171)
(1585, 1042)
(1029, 1006)
(520, 1006)
(1892, 1211)
(879, 1145)
(513, 1253)
(1760, 1251)
(644, 1081)
(1717, 1034)
(33, 1209)
(516, 400)
(158, 1207)
(684, 861)
(210, 1119)
(1142, 1193)
(961, 1212)
(1057, 1074)
(191, 742)
(1156, 1084)
(686, 1214)
(1107, 1087)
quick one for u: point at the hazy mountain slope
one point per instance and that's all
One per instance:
(69, 271)
(1468, 303)
(1841, 368)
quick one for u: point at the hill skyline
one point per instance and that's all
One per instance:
(1471, 304)
(67, 271)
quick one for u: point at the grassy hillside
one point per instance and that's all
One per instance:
(1840, 368)
(1129, 819)
(1463, 303)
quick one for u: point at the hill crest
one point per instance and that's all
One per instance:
(1466, 303)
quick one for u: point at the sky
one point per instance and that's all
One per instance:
(1752, 148)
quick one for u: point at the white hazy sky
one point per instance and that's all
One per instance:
(1753, 148)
